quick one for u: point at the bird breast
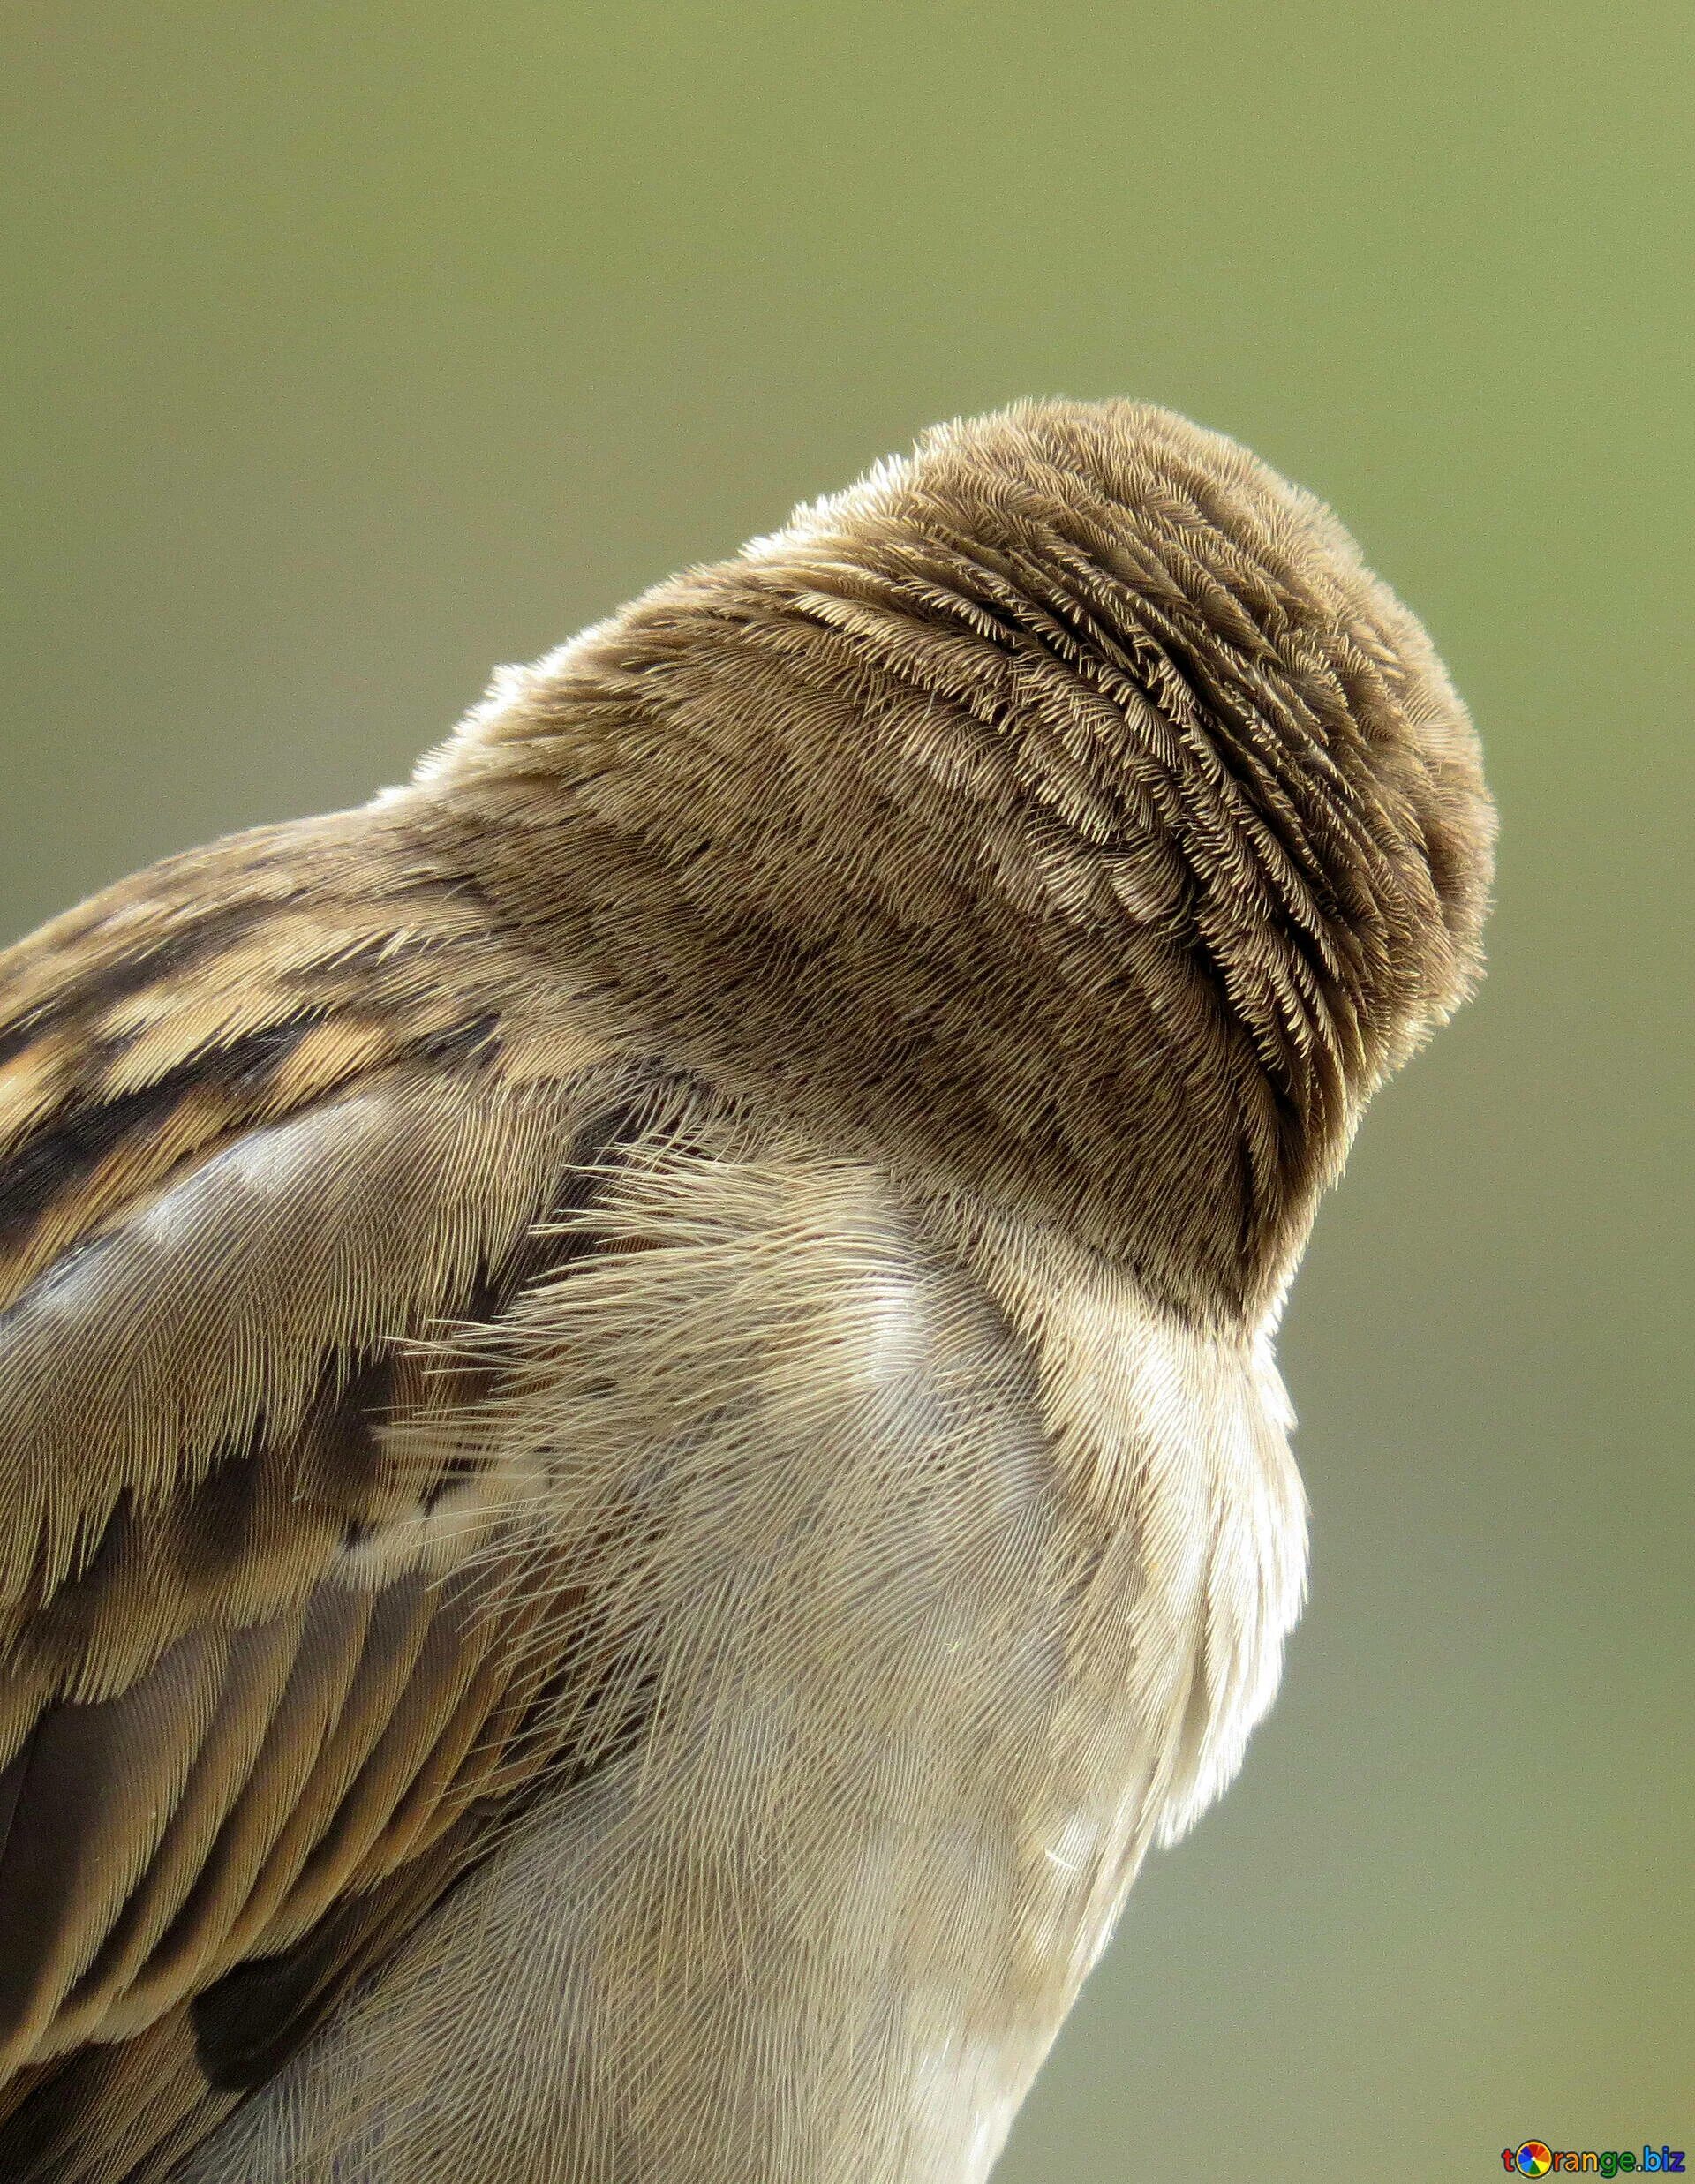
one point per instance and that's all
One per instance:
(940, 1574)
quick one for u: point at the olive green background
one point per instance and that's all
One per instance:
(350, 349)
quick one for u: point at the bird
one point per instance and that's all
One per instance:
(643, 1456)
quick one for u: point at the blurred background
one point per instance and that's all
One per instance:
(348, 350)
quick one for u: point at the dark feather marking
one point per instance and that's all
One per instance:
(93, 993)
(108, 2115)
(480, 1038)
(12, 1777)
(301, 1724)
(250, 2023)
(64, 1829)
(56, 1159)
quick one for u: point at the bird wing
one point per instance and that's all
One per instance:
(276, 1124)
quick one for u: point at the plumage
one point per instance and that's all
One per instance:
(641, 1451)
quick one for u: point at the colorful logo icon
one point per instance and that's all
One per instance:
(1533, 2158)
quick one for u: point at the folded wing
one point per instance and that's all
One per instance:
(272, 1138)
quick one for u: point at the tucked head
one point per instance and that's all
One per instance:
(1064, 809)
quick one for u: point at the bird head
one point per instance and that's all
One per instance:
(1064, 809)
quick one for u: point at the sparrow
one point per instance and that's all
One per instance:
(640, 1456)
